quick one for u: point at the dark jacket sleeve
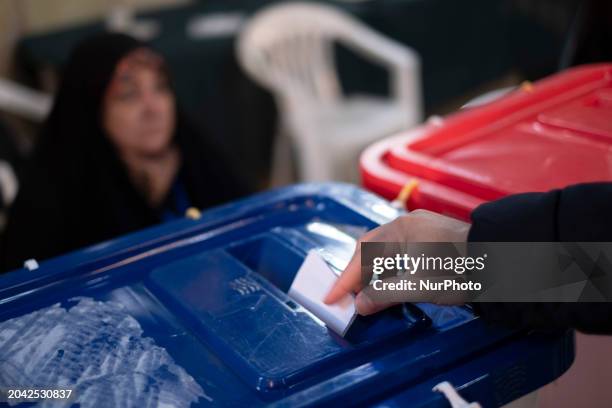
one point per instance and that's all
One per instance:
(580, 213)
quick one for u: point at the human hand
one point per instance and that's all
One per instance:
(417, 226)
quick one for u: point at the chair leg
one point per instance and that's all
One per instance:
(282, 171)
(315, 162)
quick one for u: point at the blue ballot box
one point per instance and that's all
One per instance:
(196, 312)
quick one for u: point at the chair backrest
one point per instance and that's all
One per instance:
(289, 48)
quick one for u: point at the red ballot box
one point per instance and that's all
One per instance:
(551, 134)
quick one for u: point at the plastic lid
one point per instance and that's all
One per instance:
(554, 134)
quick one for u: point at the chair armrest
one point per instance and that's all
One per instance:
(20, 100)
(403, 63)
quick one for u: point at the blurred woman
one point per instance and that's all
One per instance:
(115, 155)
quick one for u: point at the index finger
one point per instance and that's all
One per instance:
(349, 281)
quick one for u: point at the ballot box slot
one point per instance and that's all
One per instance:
(235, 300)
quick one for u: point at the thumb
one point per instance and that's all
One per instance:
(366, 306)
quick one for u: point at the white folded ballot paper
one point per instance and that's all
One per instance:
(310, 285)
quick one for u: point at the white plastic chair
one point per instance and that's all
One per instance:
(22, 101)
(288, 49)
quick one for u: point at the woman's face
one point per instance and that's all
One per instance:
(139, 108)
